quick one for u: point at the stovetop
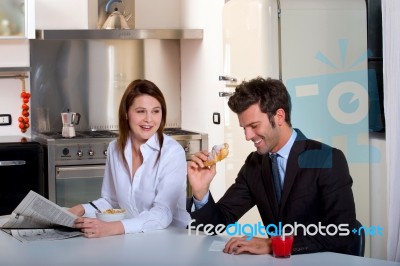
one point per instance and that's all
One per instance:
(83, 134)
(111, 134)
(91, 146)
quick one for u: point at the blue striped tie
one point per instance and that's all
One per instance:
(276, 176)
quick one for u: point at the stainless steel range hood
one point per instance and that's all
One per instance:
(134, 34)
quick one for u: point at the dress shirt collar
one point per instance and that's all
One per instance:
(284, 151)
(152, 143)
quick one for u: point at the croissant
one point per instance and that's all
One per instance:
(218, 153)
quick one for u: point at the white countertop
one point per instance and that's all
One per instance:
(171, 246)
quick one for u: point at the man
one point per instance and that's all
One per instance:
(313, 184)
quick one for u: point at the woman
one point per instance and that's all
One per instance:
(145, 170)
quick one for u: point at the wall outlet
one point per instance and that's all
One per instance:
(5, 119)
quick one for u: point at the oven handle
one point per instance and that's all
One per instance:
(70, 172)
(11, 163)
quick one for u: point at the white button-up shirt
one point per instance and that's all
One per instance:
(156, 195)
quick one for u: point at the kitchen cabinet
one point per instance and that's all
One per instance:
(17, 19)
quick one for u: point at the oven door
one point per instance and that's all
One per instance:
(78, 184)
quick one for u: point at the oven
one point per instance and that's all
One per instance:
(75, 166)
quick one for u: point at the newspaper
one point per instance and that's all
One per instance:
(37, 218)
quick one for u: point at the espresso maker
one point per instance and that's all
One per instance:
(69, 120)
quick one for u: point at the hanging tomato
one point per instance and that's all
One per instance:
(24, 119)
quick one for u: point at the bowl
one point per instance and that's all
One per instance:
(111, 215)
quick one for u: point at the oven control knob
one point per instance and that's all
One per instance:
(65, 151)
(187, 149)
(80, 153)
(105, 152)
(91, 153)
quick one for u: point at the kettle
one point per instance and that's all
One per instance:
(69, 119)
(116, 20)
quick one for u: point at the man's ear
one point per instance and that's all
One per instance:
(280, 116)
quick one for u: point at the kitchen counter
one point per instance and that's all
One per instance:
(171, 246)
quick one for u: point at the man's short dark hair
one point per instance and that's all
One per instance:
(271, 94)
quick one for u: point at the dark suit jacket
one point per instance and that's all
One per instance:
(317, 188)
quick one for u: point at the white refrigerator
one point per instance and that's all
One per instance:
(319, 49)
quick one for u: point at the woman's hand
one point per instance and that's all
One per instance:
(200, 176)
(256, 245)
(78, 210)
(93, 228)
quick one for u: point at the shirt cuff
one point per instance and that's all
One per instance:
(200, 203)
(89, 211)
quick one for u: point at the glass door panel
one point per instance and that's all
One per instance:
(78, 184)
(12, 19)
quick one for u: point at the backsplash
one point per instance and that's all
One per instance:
(161, 65)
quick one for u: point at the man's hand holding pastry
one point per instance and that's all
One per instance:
(217, 154)
(201, 169)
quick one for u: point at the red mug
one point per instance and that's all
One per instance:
(282, 246)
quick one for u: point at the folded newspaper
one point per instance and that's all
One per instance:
(37, 218)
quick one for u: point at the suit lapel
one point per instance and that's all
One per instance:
(269, 186)
(292, 168)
